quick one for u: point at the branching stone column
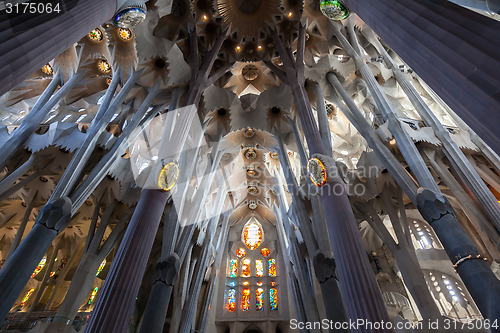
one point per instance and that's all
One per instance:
(32, 40)
(52, 219)
(360, 292)
(454, 154)
(453, 234)
(453, 49)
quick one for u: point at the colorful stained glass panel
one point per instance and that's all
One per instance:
(259, 268)
(92, 295)
(245, 299)
(39, 267)
(240, 253)
(25, 298)
(233, 268)
(273, 298)
(245, 268)
(265, 251)
(252, 235)
(259, 299)
(231, 300)
(101, 267)
(272, 267)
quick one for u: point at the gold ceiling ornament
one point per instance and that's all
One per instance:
(103, 66)
(248, 18)
(274, 155)
(252, 190)
(96, 35)
(249, 132)
(124, 34)
(250, 154)
(317, 171)
(167, 178)
(251, 172)
(47, 70)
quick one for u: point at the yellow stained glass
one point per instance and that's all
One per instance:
(245, 268)
(92, 295)
(101, 267)
(252, 235)
(259, 268)
(265, 251)
(246, 283)
(245, 299)
(25, 298)
(240, 253)
(39, 267)
(233, 268)
(272, 267)
(231, 300)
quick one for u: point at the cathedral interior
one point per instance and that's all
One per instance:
(242, 166)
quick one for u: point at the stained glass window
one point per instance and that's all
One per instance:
(231, 283)
(245, 299)
(25, 298)
(246, 283)
(259, 299)
(101, 267)
(265, 251)
(39, 267)
(259, 283)
(233, 268)
(240, 253)
(245, 268)
(273, 298)
(231, 300)
(252, 235)
(272, 267)
(92, 295)
(259, 268)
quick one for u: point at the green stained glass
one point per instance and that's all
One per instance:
(334, 10)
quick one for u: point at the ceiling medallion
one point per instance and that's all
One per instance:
(251, 172)
(250, 72)
(317, 172)
(168, 176)
(274, 155)
(103, 66)
(252, 190)
(47, 70)
(249, 132)
(124, 34)
(250, 154)
(334, 10)
(252, 204)
(129, 17)
(96, 35)
(108, 80)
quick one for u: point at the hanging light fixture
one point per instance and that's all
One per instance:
(131, 14)
(334, 10)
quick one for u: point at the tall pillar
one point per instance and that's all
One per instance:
(116, 302)
(359, 289)
(29, 41)
(453, 49)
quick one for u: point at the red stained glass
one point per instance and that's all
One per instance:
(245, 299)
(240, 253)
(231, 300)
(265, 251)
